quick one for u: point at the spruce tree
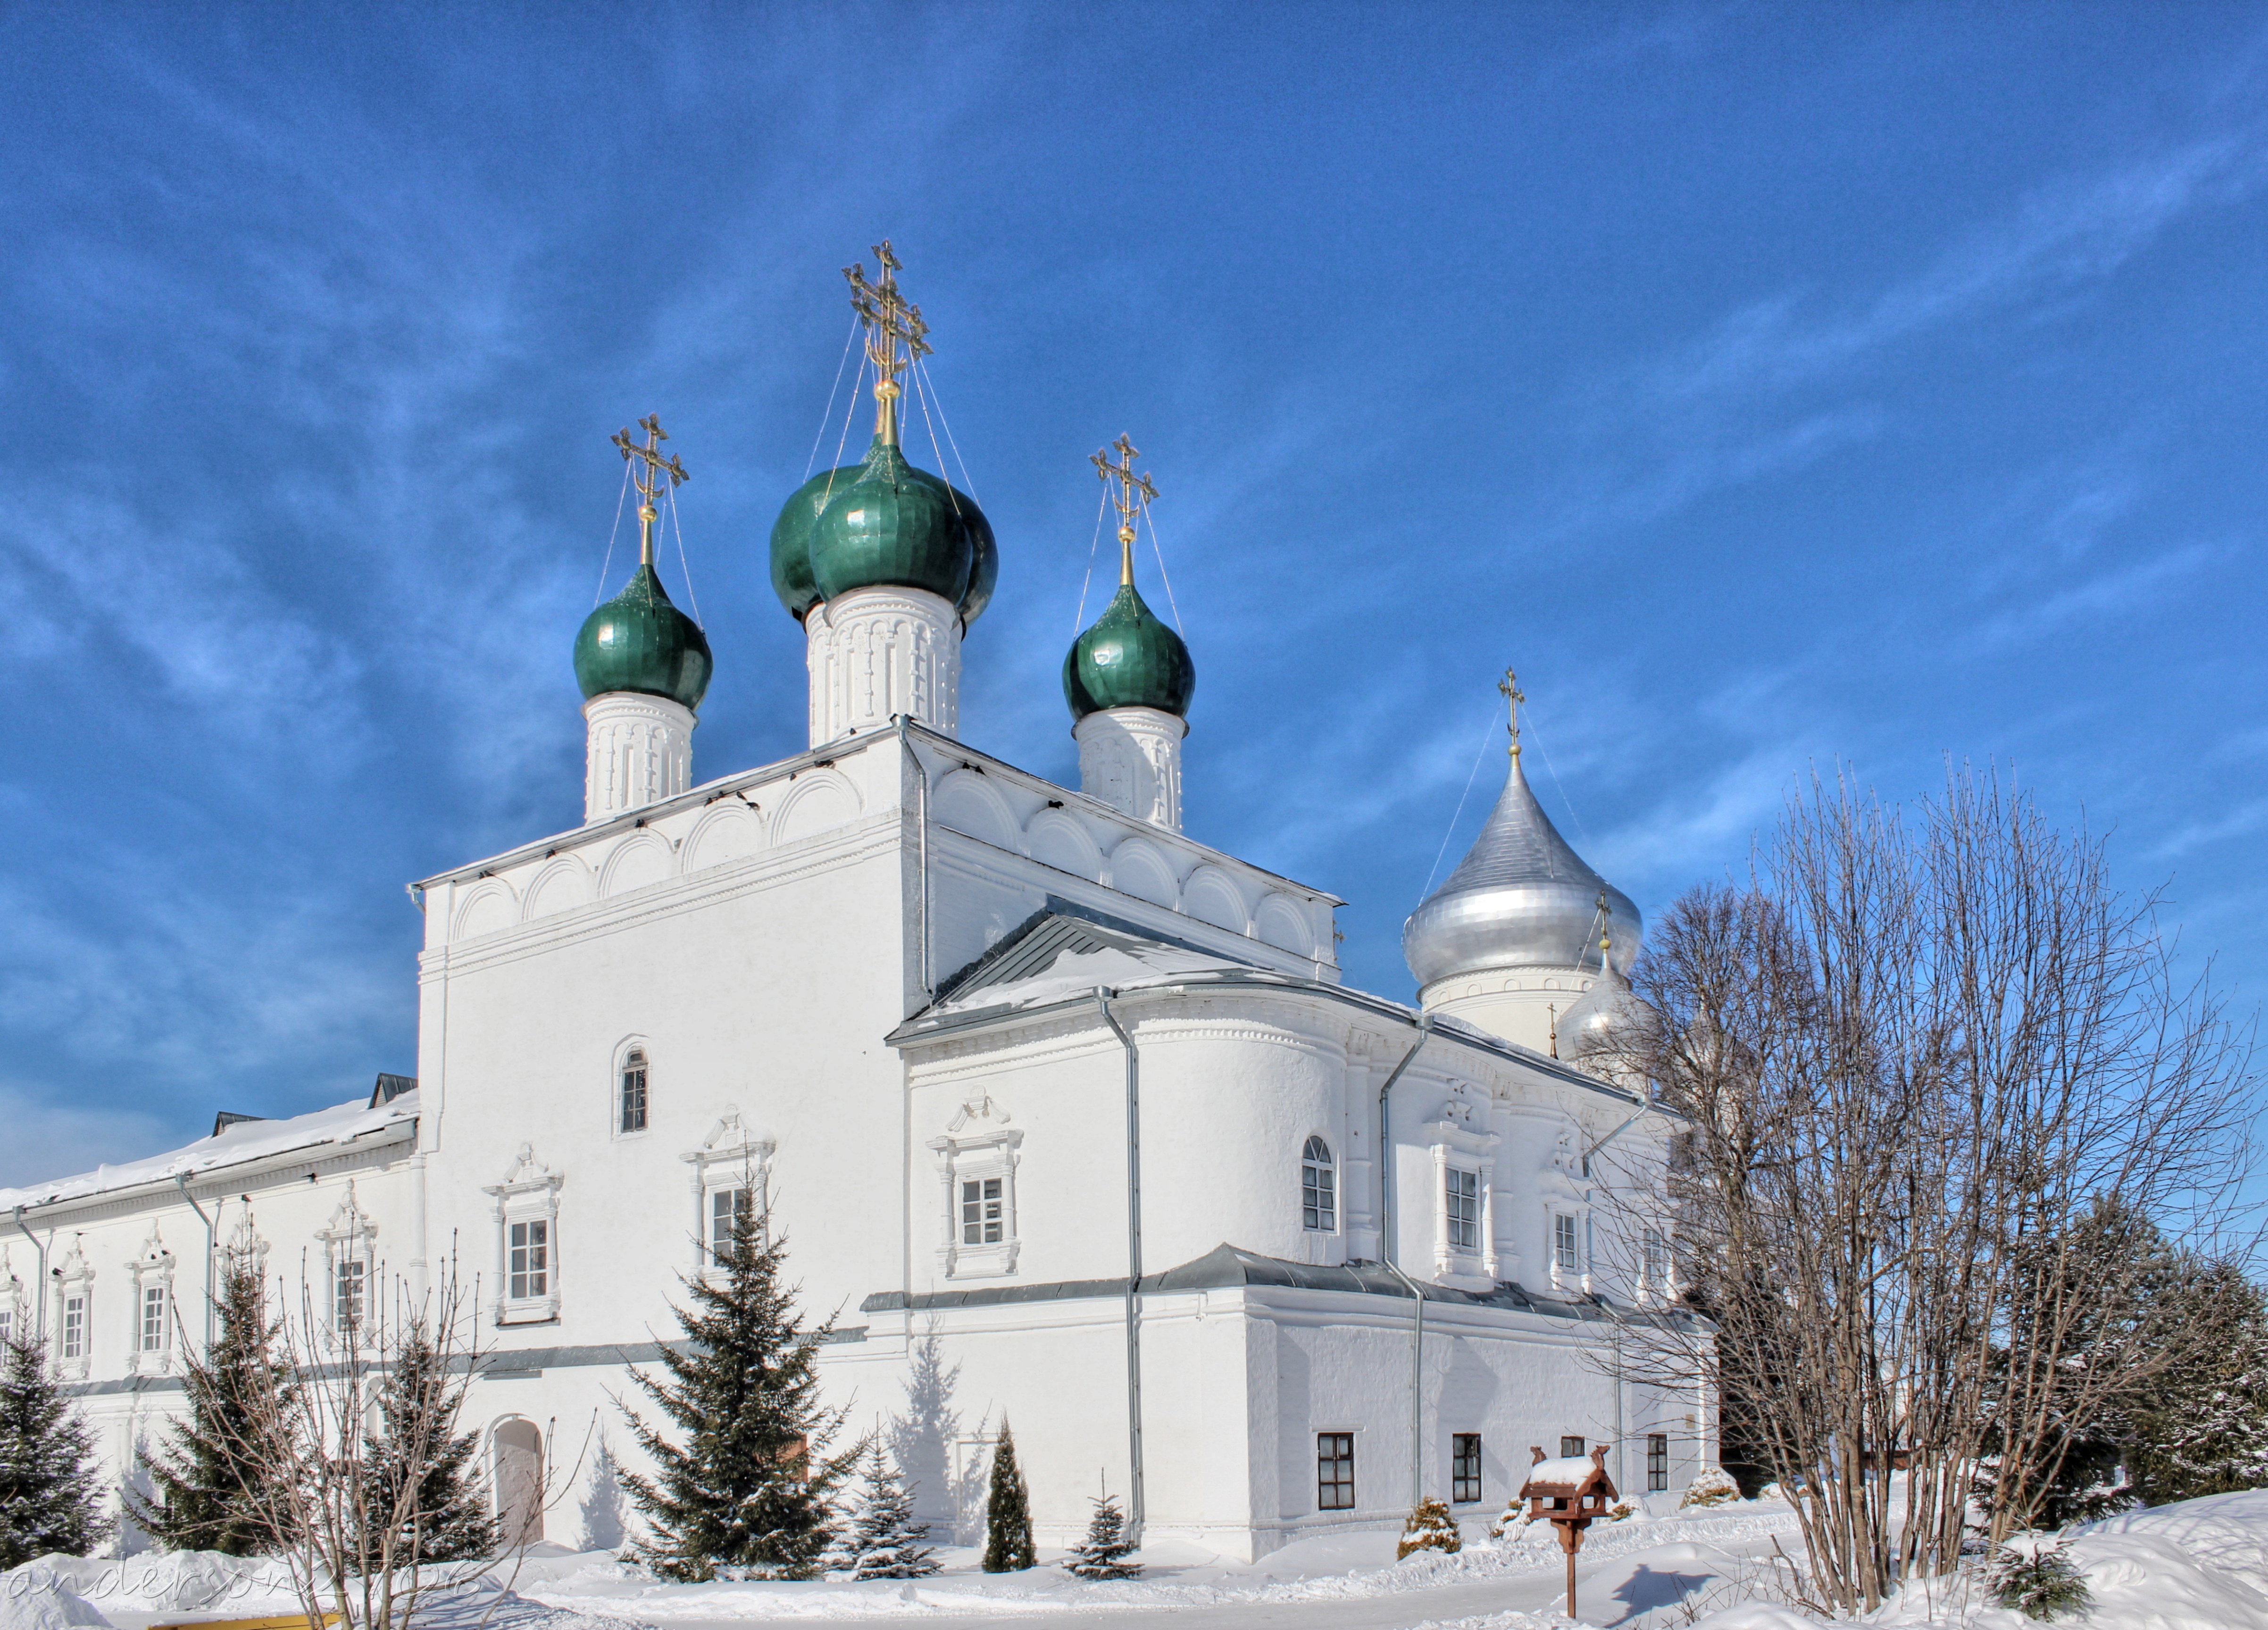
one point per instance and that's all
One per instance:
(209, 1470)
(447, 1519)
(47, 1475)
(1102, 1554)
(884, 1542)
(1008, 1514)
(749, 1492)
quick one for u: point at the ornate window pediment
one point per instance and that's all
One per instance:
(528, 1240)
(74, 1293)
(732, 1178)
(350, 1263)
(976, 1161)
(149, 1348)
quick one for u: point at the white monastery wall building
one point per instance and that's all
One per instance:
(936, 1018)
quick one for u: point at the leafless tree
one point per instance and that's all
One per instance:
(1918, 1068)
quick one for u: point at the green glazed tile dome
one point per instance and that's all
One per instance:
(1129, 659)
(886, 523)
(639, 641)
(791, 538)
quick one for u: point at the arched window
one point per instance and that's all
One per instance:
(1319, 1188)
(633, 1091)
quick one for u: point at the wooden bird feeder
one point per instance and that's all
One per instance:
(1568, 1493)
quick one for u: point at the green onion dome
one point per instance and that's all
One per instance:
(792, 538)
(1129, 659)
(882, 521)
(639, 641)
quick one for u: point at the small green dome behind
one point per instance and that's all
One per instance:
(791, 538)
(639, 641)
(899, 526)
(1129, 659)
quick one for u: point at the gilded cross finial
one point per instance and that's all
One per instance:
(891, 322)
(1508, 687)
(649, 469)
(1133, 496)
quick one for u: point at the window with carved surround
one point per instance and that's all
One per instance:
(74, 1312)
(14, 1324)
(528, 1266)
(1464, 1201)
(731, 1178)
(976, 1161)
(149, 1349)
(1319, 1189)
(349, 1252)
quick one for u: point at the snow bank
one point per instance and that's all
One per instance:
(32, 1598)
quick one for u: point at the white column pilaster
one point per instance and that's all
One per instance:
(875, 653)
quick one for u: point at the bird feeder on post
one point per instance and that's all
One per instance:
(1568, 1493)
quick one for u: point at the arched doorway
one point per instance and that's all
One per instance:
(518, 1483)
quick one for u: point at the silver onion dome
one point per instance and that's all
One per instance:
(1607, 1019)
(1521, 898)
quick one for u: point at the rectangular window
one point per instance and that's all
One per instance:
(350, 1283)
(7, 1325)
(634, 1092)
(1465, 1467)
(981, 1213)
(75, 1325)
(153, 1318)
(1334, 1470)
(1564, 1254)
(1656, 1266)
(1569, 1448)
(529, 1270)
(727, 1208)
(1657, 1462)
(1464, 1210)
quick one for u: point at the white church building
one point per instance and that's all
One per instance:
(1065, 1117)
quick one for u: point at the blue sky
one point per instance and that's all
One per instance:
(1770, 384)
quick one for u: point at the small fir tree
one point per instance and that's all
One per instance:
(2033, 1576)
(208, 1472)
(1008, 1513)
(1430, 1528)
(884, 1541)
(1103, 1553)
(749, 1492)
(447, 1519)
(47, 1500)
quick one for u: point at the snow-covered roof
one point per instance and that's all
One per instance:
(232, 1146)
(1058, 957)
(1568, 1470)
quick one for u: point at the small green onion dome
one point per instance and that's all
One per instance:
(1129, 659)
(639, 641)
(882, 521)
(792, 538)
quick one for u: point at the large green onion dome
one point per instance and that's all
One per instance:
(882, 521)
(1129, 659)
(639, 641)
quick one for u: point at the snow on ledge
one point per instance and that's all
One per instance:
(232, 1146)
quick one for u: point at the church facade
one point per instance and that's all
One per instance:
(1067, 1119)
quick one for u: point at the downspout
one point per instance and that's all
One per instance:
(40, 1296)
(183, 1183)
(1134, 1502)
(1386, 1259)
(921, 817)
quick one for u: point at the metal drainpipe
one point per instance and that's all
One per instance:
(40, 1296)
(1136, 1502)
(183, 1183)
(1386, 1259)
(921, 817)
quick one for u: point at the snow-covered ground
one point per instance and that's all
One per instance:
(2198, 1566)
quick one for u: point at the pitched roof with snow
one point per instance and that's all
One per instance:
(232, 1145)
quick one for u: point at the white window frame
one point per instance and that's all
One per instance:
(1461, 1141)
(528, 1193)
(979, 1145)
(74, 1283)
(731, 1157)
(13, 1302)
(1329, 1167)
(349, 1249)
(1564, 1245)
(623, 1050)
(153, 1270)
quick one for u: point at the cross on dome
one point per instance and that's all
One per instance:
(1133, 497)
(1508, 687)
(890, 321)
(648, 469)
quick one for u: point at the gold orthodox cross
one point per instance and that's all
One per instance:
(1134, 495)
(649, 468)
(890, 321)
(1508, 687)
